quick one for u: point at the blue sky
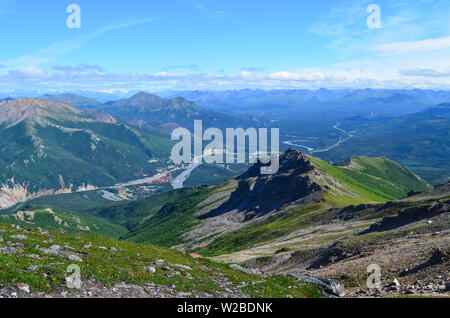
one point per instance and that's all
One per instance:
(226, 44)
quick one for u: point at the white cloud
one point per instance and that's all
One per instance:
(78, 68)
(212, 14)
(419, 71)
(30, 73)
(405, 25)
(283, 75)
(191, 67)
(310, 79)
(399, 48)
(169, 75)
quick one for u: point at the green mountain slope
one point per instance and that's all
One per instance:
(132, 214)
(76, 201)
(256, 208)
(370, 180)
(50, 147)
(48, 218)
(168, 224)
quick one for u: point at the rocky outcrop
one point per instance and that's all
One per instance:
(330, 287)
(437, 191)
(11, 194)
(257, 195)
(410, 215)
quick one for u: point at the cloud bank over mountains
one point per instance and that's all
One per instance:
(96, 78)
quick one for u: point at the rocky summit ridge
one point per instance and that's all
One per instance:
(258, 194)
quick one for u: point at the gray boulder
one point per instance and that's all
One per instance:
(330, 287)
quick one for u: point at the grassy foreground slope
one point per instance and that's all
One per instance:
(108, 262)
(56, 219)
(167, 226)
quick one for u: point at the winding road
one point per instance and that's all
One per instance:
(295, 142)
(338, 143)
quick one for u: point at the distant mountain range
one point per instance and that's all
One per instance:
(279, 103)
(442, 111)
(321, 94)
(101, 97)
(381, 102)
(50, 147)
(73, 100)
(154, 113)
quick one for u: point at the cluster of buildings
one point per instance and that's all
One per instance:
(165, 179)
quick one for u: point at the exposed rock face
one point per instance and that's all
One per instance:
(410, 215)
(291, 162)
(102, 116)
(11, 194)
(15, 111)
(257, 194)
